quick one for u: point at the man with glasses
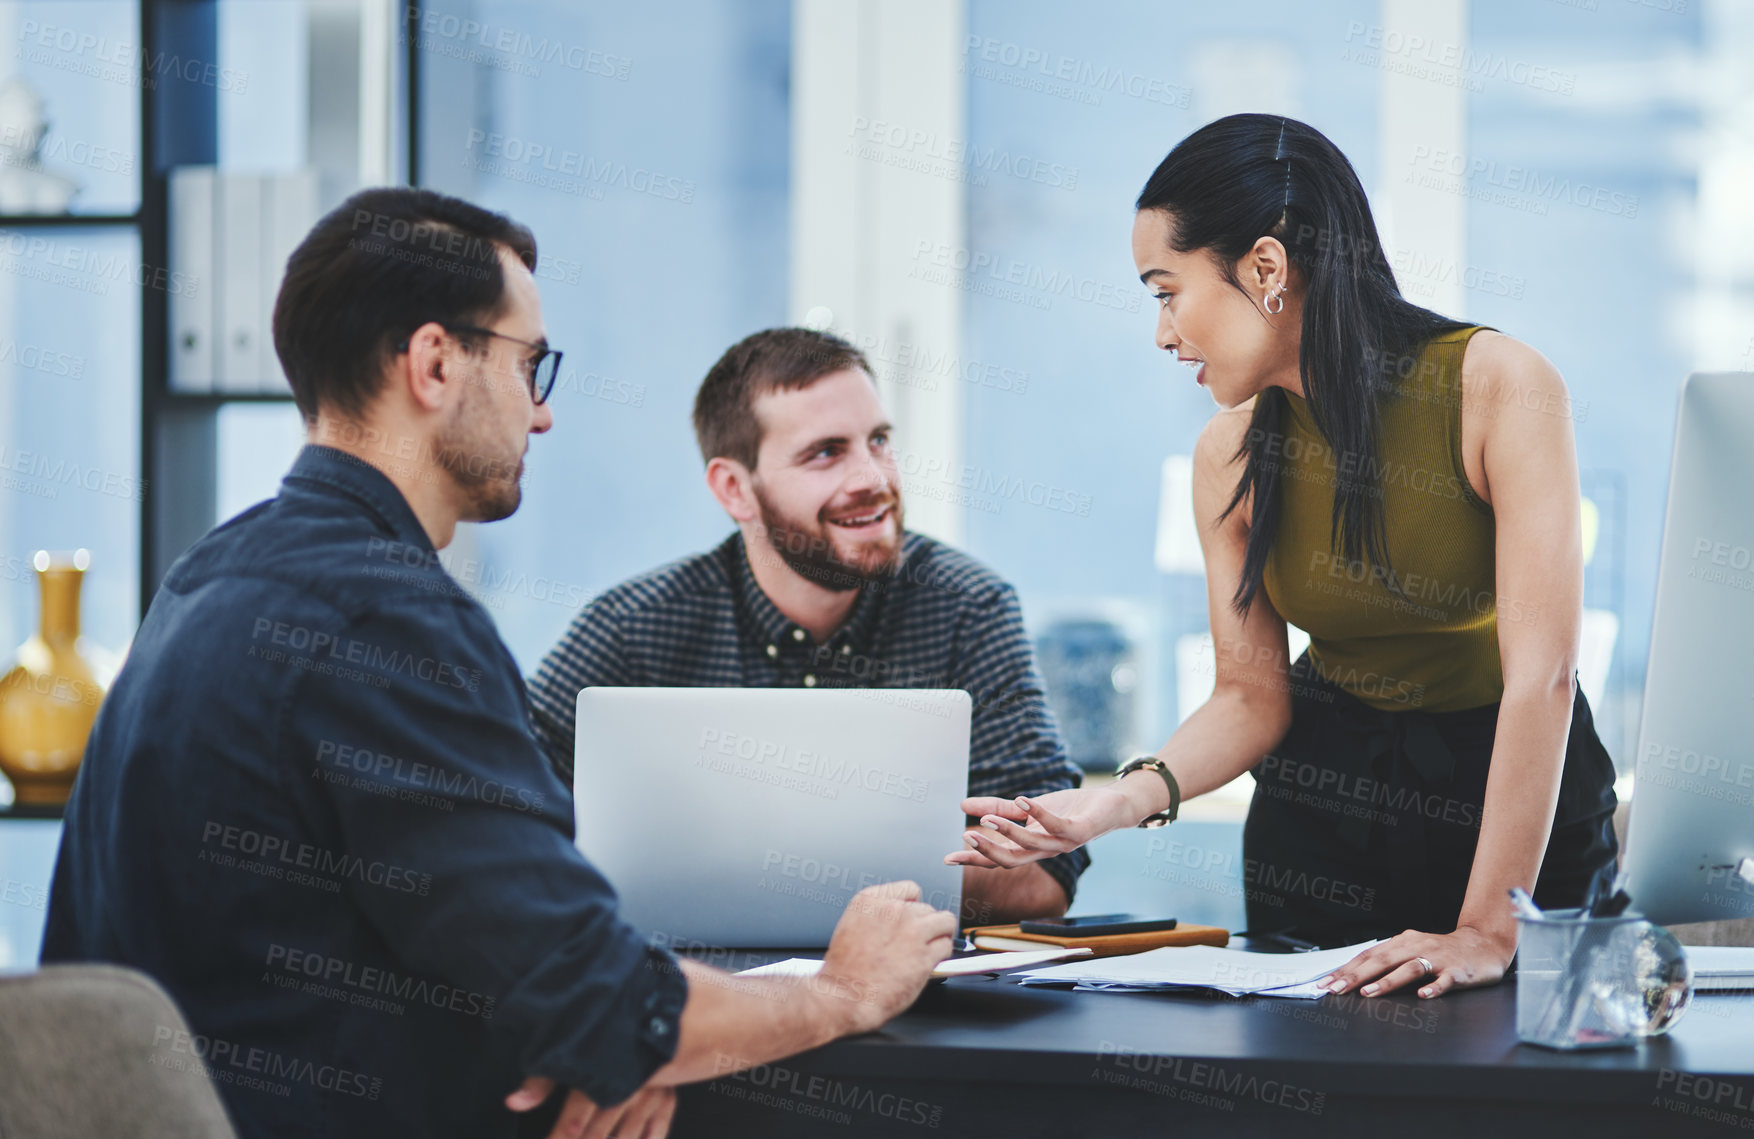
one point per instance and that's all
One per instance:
(538, 364)
(822, 587)
(311, 806)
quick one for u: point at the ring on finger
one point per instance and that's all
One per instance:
(1425, 964)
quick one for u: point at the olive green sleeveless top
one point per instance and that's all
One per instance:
(1435, 646)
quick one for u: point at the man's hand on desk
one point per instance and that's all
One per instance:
(643, 1115)
(878, 961)
(883, 950)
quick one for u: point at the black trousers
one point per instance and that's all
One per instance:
(1364, 822)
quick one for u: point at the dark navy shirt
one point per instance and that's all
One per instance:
(943, 620)
(312, 808)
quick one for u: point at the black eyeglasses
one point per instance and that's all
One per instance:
(540, 370)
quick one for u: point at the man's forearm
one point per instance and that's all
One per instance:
(996, 897)
(731, 1023)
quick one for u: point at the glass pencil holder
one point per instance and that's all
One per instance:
(1597, 982)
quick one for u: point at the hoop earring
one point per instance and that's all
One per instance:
(1267, 303)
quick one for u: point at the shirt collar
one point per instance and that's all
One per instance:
(339, 474)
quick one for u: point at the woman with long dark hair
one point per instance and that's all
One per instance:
(1404, 488)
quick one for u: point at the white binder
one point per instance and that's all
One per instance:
(230, 237)
(239, 301)
(192, 279)
(289, 210)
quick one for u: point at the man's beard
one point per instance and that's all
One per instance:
(809, 549)
(491, 484)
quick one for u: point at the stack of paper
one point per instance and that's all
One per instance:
(1232, 971)
(971, 966)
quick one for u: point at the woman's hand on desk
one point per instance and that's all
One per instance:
(1019, 831)
(1465, 959)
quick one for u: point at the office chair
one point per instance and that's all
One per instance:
(95, 1050)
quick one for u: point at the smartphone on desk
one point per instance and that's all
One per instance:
(1095, 925)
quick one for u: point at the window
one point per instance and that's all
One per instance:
(657, 152)
(1557, 185)
(70, 275)
(646, 146)
(1076, 409)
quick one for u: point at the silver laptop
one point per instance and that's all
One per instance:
(748, 817)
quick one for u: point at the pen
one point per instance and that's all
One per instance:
(1525, 905)
(1616, 896)
(1593, 895)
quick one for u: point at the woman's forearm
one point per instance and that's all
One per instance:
(1522, 790)
(1224, 737)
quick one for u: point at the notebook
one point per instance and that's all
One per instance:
(971, 966)
(1106, 945)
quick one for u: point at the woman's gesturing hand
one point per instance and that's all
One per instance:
(1017, 831)
(1465, 959)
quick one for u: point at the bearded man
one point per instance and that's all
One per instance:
(822, 587)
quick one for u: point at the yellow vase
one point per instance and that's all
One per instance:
(50, 696)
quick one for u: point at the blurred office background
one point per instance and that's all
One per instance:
(947, 182)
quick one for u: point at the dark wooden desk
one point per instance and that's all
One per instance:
(992, 1058)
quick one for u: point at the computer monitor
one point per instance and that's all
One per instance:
(1692, 820)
